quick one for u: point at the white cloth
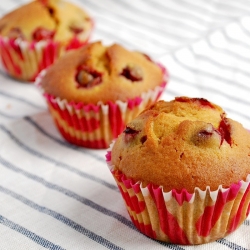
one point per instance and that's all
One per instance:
(57, 196)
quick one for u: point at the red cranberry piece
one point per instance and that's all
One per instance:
(87, 77)
(130, 133)
(132, 73)
(15, 33)
(51, 11)
(147, 57)
(182, 99)
(44, 2)
(205, 133)
(207, 136)
(204, 102)
(43, 34)
(201, 101)
(76, 30)
(225, 131)
(143, 139)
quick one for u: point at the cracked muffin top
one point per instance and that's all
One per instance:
(96, 73)
(46, 19)
(184, 143)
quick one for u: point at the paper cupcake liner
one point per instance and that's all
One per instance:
(24, 60)
(180, 217)
(95, 126)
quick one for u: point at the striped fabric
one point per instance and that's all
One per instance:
(57, 196)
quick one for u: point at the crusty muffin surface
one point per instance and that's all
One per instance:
(184, 143)
(96, 73)
(58, 19)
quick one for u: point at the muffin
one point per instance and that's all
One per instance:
(33, 36)
(93, 91)
(183, 169)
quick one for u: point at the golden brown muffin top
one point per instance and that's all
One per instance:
(46, 19)
(101, 73)
(184, 143)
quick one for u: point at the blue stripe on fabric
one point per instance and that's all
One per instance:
(77, 197)
(226, 6)
(68, 193)
(181, 23)
(243, 2)
(20, 99)
(177, 12)
(235, 41)
(171, 92)
(57, 163)
(218, 64)
(227, 52)
(230, 245)
(8, 116)
(121, 40)
(19, 1)
(140, 34)
(243, 28)
(203, 10)
(246, 222)
(207, 74)
(32, 236)
(79, 228)
(110, 35)
(140, 23)
(134, 44)
(244, 115)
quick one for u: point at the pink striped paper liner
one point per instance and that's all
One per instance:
(25, 60)
(180, 217)
(96, 125)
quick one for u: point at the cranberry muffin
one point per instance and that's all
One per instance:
(34, 35)
(92, 92)
(183, 169)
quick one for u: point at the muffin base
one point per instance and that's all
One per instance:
(180, 217)
(95, 126)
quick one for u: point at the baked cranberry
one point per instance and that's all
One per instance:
(76, 30)
(201, 101)
(143, 139)
(87, 77)
(182, 99)
(204, 102)
(51, 11)
(225, 131)
(147, 57)
(15, 33)
(205, 133)
(133, 73)
(130, 133)
(44, 2)
(207, 136)
(210, 136)
(42, 34)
